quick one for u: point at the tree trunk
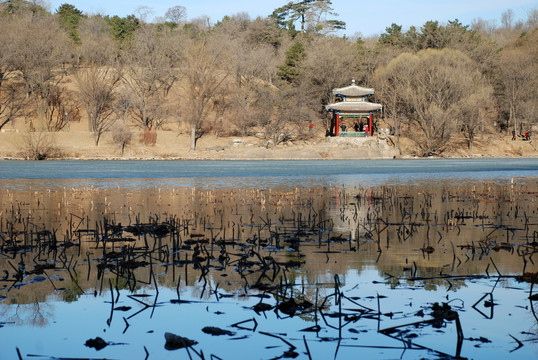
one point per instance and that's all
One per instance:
(97, 136)
(193, 137)
(398, 133)
(470, 143)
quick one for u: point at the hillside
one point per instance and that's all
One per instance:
(246, 84)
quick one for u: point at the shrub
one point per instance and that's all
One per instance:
(122, 135)
(39, 146)
(149, 137)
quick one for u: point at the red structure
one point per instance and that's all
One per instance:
(353, 105)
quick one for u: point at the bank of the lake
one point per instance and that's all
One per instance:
(171, 145)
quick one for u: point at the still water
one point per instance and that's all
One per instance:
(283, 259)
(402, 170)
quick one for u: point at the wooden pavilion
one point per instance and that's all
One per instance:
(353, 105)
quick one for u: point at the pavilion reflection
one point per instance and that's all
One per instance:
(311, 232)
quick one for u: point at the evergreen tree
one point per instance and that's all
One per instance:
(290, 70)
(392, 36)
(433, 36)
(123, 27)
(311, 14)
(69, 20)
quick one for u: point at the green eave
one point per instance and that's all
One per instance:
(354, 115)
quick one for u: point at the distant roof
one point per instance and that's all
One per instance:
(353, 90)
(354, 106)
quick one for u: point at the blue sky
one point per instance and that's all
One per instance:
(364, 17)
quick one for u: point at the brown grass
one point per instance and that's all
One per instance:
(174, 143)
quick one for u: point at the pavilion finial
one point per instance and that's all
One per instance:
(353, 81)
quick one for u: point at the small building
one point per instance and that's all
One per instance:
(353, 105)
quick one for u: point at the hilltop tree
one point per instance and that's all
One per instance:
(483, 50)
(69, 20)
(17, 7)
(311, 14)
(123, 28)
(454, 35)
(392, 36)
(432, 36)
(143, 12)
(507, 19)
(532, 19)
(176, 14)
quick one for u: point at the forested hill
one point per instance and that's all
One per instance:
(272, 76)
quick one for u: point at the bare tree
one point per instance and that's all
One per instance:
(97, 86)
(122, 135)
(507, 19)
(143, 12)
(388, 87)
(203, 74)
(201, 23)
(12, 100)
(264, 31)
(437, 86)
(253, 66)
(176, 14)
(149, 75)
(325, 69)
(27, 79)
(478, 112)
(39, 145)
(63, 108)
(12, 96)
(518, 71)
(282, 113)
(484, 27)
(532, 19)
(97, 45)
(39, 62)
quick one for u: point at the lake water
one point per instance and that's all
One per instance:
(383, 169)
(289, 259)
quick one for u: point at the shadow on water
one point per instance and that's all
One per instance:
(404, 271)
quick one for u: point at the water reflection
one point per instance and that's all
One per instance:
(350, 268)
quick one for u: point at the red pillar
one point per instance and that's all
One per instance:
(370, 124)
(337, 130)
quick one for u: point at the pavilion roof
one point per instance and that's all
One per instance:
(354, 106)
(353, 91)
